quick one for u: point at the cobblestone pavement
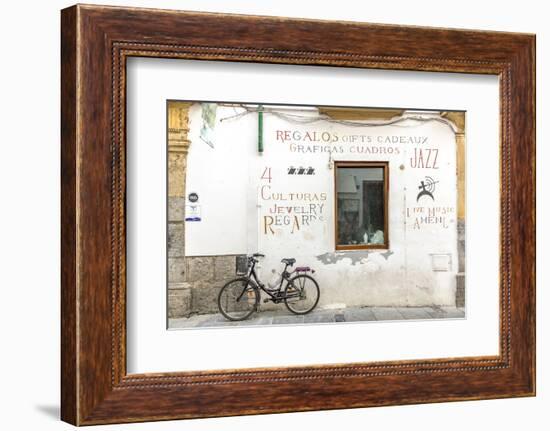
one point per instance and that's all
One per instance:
(356, 314)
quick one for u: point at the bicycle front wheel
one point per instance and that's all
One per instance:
(301, 294)
(238, 299)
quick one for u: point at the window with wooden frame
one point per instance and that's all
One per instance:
(361, 205)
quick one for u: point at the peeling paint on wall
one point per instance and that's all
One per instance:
(356, 256)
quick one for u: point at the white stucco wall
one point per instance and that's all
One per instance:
(249, 203)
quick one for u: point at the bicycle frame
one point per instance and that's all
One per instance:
(273, 293)
(295, 289)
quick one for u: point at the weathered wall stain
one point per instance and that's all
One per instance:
(386, 254)
(356, 256)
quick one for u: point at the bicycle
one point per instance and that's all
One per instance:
(239, 298)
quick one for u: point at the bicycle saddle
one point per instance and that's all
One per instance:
(289, 261)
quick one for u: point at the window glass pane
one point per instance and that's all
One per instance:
(360, 194)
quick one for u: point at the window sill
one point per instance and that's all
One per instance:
(377, 247)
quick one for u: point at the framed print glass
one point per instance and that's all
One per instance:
(333, 216)
(381, 287)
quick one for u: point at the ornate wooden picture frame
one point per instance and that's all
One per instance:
(96, 41)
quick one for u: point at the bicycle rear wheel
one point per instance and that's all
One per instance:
(301, 294)
(238, 299)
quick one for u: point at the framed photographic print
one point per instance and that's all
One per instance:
(325, 222)
(275, 175)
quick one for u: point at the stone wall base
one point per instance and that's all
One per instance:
(460, 290)
(203, 277)
(461, 276)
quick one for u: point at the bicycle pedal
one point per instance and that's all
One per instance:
(266, 300)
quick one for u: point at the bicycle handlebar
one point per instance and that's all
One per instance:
(254, 256)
